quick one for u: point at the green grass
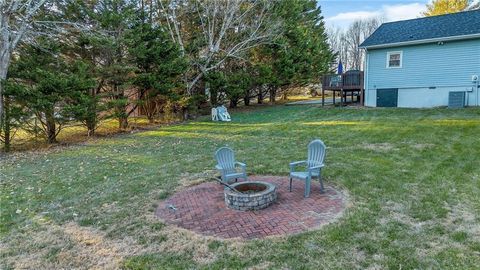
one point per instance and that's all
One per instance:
(413, 177)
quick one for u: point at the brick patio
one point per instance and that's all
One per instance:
(202, 209)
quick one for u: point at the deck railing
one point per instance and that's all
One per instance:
(348, 81)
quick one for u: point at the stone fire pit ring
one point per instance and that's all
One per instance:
(252, 195)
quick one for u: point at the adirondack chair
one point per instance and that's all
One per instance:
(314, 165)
(228, 167)
(223, 114)
(336, 80)
(214, 114)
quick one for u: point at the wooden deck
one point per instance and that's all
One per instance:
(349, 83)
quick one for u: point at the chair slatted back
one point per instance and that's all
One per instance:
(226, 158)
(316, 153)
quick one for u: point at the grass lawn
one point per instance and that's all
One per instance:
(413, 177)
(23, 141)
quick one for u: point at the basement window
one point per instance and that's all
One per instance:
(394, 59)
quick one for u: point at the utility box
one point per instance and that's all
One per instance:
(456, 99)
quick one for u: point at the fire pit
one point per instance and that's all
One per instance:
(252, 195)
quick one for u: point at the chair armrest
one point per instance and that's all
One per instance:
(312, 169)
(316, 167)
(240, 164)
(295, 163)
(218, 167)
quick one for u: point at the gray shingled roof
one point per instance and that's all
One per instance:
(450, 25)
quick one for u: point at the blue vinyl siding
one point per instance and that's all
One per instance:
(428, 65)
(428, 73)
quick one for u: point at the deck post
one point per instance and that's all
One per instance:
(323, 96)
(362, 97)
(341, 97)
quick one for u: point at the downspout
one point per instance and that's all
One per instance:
(477, 89)
(365, 74)
(474, 90)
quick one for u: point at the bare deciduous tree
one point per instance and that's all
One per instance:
(346, 42)
(228, 29)
(474, 5)
(354, 37)
(337, 41)
(16, 20)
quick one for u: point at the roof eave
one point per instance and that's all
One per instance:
(420, 41)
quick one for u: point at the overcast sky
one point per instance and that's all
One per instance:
(342, 12)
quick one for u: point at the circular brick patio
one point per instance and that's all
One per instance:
(202, 209)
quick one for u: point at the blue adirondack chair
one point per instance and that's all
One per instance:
(314, 165)
(228, 167)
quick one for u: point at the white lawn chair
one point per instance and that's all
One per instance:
(223, 114)
(214, 114)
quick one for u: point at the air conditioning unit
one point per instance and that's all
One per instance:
(456, 99)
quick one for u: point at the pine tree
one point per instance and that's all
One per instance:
(301, 53)
(158, 67)
(16, 111)
(52, 86)
(115, 18)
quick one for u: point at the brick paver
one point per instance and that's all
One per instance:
(202, 209)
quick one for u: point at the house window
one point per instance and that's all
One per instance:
(394, 59)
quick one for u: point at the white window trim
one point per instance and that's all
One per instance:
(401, 59)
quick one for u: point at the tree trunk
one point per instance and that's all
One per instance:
(149, 107)
(273, 94)
(246, 100)
(122, 122)
(151, 118)
(233, 103)
(150, 110)
(213, 98)
(260, 96)
(6, 126)
(91, 125)
(185, 114)
(192, 84)
(120, 109)
(91, 119)
(4, 61)
(51, 127)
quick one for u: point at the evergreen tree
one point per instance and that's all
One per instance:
(237, 84)
(114, 18)
(82, 103)
(158, 67)
(86, 50)
(301, 53)
(16, 111)
(216, 83)
(52, 83)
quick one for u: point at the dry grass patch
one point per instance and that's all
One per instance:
(192, 179)
(381, 147)
(52, 246)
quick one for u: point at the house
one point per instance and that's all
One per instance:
(417, 63)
